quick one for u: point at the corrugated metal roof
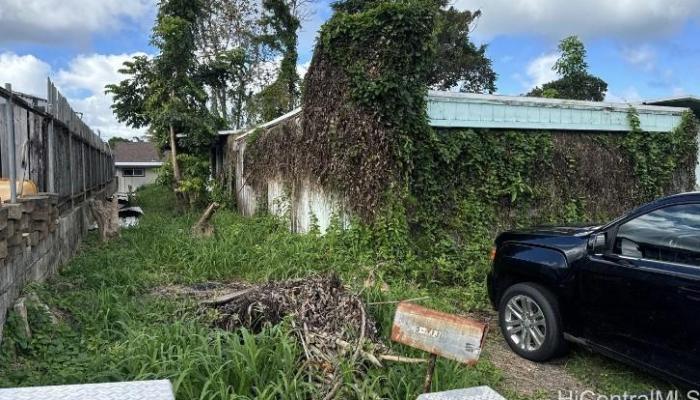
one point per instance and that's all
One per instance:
(467, 110)
(692, 102)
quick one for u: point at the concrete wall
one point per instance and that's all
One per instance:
(34, 242)
(124, 182)
(304, 204)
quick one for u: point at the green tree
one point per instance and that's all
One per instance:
(576, 82)
(459, 62)
(112, 142)
(280, 25)
(573, 57)
(165, 93)
(231, 56)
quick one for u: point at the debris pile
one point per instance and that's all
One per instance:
(330, 322)
(321, 305)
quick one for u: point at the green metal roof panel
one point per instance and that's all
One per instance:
(464, 110)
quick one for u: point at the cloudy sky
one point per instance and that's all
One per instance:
(643, 48)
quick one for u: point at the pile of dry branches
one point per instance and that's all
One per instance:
(329, 321)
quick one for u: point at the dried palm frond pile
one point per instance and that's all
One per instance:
(329, 320)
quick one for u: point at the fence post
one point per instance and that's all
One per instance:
(82, 157)
(70, 167)
(51, 159)
(10, 114)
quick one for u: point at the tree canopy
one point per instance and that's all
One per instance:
(576, 83)
(459, 62)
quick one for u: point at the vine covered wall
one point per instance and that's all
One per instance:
(433, 200)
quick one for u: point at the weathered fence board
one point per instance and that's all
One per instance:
(53, 147)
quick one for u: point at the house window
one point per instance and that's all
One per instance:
(133, 172)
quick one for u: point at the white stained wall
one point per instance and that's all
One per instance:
(303, 204)
(128, 184)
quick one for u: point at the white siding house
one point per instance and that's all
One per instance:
(136, 164)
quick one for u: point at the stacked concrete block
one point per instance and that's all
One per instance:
(36, 238)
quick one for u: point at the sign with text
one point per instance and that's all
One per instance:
(439, 333)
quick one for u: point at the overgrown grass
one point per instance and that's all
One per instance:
(112, 327)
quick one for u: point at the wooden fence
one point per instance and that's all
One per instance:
(52, 146)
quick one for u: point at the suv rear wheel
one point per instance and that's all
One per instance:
(530, 321)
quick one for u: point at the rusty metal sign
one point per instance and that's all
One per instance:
(446, 335)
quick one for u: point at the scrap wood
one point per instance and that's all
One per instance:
(203, 228)
(395, 358)
(225, 298)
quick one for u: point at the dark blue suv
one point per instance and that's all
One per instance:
(629, 289)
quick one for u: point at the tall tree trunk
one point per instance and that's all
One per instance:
(223, 103)
(173, 155)
(181, 196)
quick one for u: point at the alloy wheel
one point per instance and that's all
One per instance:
(525, 323)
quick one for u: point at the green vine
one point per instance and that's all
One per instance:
(656, 156)
(431, 201)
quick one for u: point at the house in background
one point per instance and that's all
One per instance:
(137, 165)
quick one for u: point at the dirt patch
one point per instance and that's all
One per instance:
(524, 377)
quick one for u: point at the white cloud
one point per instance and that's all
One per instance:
(303, 68)
(643, 57)
(539, 71)
(82, 82)
(93, 72)
(630, 19)
(62, 20)
(26, 73)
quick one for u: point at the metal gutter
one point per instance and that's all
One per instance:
(246, 131)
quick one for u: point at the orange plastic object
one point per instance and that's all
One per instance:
(24, 188)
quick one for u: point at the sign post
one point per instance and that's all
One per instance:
(438, 333)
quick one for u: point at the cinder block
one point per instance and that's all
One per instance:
(14, 211)
(15, 250)
(37, 201)
(3, 217)
(41, 226)
(27, 205)
(10, 229)
(25, 223)
(34, 238)
(41, 214)
(7, 276)
(14, 240)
